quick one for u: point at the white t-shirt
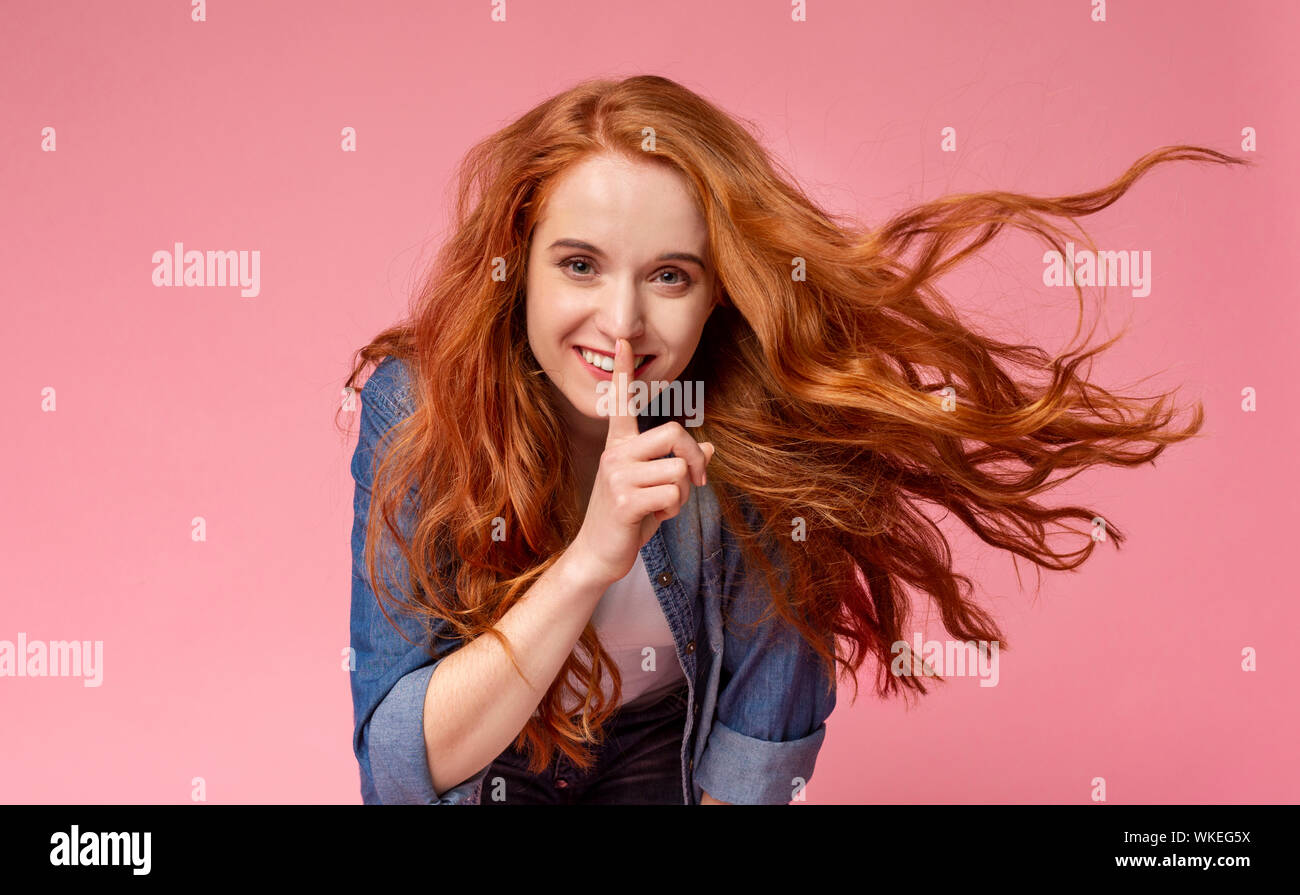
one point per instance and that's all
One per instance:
(634, 631)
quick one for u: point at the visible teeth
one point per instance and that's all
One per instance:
(606, 362)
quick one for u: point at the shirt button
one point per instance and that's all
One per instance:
(665, 577)
(690, 647)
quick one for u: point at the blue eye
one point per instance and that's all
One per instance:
(567, 265)
(583, 268)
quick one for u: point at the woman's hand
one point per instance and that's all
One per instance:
(634, 491)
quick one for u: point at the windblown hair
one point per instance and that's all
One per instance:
(826, 398)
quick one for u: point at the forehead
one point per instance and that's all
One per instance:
(616, 202)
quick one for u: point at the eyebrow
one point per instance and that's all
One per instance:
(588, 247)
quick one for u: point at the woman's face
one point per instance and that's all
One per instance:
(620, 252)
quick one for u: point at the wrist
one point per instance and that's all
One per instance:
(576, 568)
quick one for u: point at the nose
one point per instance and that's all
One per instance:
(621, 314)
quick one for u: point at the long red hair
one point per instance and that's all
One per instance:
(822, 402)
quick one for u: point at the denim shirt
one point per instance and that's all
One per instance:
(758, 698)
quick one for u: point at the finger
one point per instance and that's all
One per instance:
(622, 423)
(660, 500)
(655, 473)
(671, 437)
(709, 450)
(665, 470)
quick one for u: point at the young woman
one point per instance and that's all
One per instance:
(563, 595)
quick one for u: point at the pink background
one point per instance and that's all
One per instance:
(222, 658)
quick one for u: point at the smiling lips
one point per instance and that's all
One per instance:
(593, 360)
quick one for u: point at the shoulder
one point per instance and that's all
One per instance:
(389, 385)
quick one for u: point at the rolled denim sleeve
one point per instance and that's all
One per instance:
(398, 758)
(772, 705)
(392, 671)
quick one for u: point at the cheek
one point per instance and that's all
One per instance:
(684, 339)
(541, 310)
(557, 314)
